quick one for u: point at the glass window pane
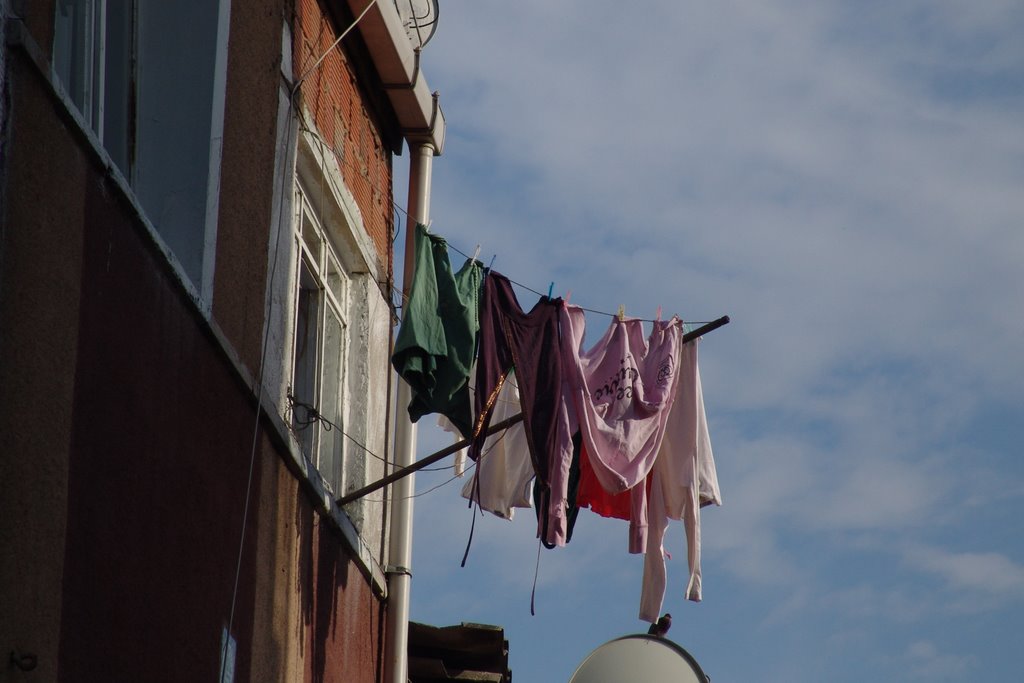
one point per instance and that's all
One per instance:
(333, 441)
(311, 236)
(74, 52)
(116, 83)
(337, 281)
(174, 115)
(304, 370)
(92, 45)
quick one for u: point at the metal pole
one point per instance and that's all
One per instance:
(425, 461)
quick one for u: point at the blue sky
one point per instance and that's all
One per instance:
(844, 179)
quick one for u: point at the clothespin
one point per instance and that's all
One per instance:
(477, 252)
(657, 316)
(568, 295)
(551, 288)
(491, 267)
(622, 312)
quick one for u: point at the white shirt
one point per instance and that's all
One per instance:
(504, 473)
(684, 480)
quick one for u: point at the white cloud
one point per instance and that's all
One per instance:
(971, 576)
(925, 660)
(875, 603)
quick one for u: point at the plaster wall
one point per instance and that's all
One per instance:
(248, 171)
(316, 618)
(40, 286)
(160, 449)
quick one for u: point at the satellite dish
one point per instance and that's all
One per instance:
(639, 658)
(419, 18)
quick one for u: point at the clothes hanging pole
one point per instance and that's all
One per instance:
(504, 424)
(704, 329)
(424, 462)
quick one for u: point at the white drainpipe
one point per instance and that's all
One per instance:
(399, 567)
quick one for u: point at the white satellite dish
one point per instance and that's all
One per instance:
(639, 658)
(419, 18)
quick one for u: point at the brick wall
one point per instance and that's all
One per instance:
(345, 121)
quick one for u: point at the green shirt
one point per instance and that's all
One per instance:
(437, 340)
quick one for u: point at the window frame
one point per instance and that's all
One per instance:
(98, 58)
(316, 261)
(310, 163)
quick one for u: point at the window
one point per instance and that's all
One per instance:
(147, 77)
(329, 325)
(92, 54)
(319, 350)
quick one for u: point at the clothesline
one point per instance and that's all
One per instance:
(588, 310)
(531, 289)
(504, 424)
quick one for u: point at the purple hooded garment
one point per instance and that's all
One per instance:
(528, 342)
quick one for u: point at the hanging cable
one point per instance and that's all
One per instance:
(469, 468)
(314, 416)
(328, 51)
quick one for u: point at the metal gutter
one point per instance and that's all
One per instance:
(399, 564)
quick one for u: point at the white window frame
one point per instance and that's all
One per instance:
(319, 408)
(305, 161)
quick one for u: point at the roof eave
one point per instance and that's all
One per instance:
(397, 63)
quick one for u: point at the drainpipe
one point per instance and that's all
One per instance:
(399, 567)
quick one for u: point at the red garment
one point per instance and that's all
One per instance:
(592, 495)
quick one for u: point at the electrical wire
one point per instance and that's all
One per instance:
(314, 416)
(468, 469)
(259, 390)
(346, 162)
(544, 294)
(421, 493)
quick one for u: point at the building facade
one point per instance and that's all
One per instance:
(196, 276)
